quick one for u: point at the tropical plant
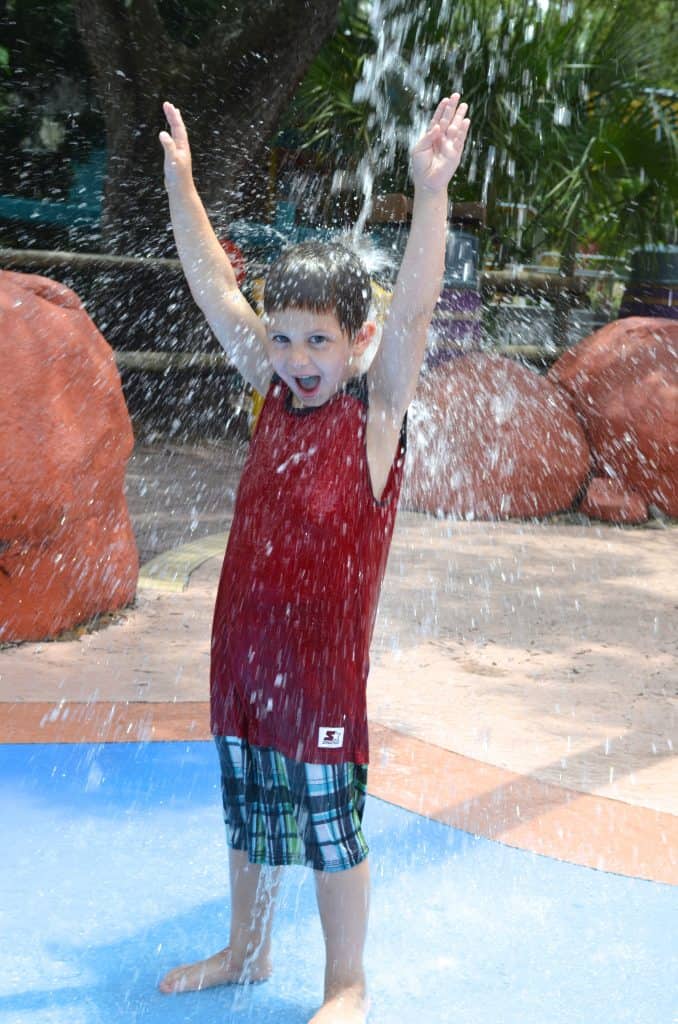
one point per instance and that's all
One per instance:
(572, 123)
(324, 114)
(574, 110)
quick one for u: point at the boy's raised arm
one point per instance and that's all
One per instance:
(395, 369)
(207, 268)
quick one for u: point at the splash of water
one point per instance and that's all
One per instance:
(394, 79)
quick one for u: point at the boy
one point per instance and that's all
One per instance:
(305, 558)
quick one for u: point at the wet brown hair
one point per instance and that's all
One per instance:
(324, 277)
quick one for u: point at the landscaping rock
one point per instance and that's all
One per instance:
(607, 500)
(490, 439)
(67, 549)
(623, 381)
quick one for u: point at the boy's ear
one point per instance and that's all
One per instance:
(364, 337)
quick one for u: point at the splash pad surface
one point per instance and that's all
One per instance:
(116, 870)
(521, 691)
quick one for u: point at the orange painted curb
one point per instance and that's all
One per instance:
(469, 795)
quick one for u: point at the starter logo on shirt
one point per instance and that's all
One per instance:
(330, 737)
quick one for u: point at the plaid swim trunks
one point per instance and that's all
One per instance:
(282, 811)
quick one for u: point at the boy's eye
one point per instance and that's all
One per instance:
(280, 339)
(317, 339)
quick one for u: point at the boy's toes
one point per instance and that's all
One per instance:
(172, 982)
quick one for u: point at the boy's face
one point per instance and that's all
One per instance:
(312, 354)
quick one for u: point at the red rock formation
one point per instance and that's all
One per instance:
(623, 380)
(489, 438)
(607, 500)
(67, 550)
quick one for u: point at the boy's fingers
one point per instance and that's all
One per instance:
(176, 123)
(170, 112)
(457, 124)
(461, 111)
(167, 143)
(446, 110)
(452, 103)
(453, 108)
(172, 151)
(427, 141)
(438, 113)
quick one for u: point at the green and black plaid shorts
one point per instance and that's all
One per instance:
(282, 811)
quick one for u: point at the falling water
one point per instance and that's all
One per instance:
(498, 620)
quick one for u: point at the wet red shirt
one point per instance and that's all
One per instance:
(300, 582)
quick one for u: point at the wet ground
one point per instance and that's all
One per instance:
(179, 493)
(538, 655)
(115, 871)
(522, 701)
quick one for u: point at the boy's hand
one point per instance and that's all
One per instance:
(177, 151)
(436, 156)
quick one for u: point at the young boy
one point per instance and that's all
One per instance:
(305, 559)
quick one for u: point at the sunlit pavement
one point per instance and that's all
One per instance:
(522, 698)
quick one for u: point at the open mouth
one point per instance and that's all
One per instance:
(308, 385)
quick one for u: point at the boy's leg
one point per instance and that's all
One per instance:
(254, 889)
(343, 902)
(247, 958)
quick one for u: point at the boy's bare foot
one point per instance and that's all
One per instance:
(347, 1006)
(219, 969)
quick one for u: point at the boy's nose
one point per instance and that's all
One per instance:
(297, 360)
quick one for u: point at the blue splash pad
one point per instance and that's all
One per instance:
(115, 870)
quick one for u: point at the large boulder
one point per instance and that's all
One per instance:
(489, 438)
(607, 500)
(67, 550)
(623, 381)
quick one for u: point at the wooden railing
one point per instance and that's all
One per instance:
(491, 282)
(45, 259)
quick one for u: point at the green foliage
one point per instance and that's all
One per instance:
(324, 116)
(573, 103)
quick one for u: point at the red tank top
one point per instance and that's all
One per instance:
(300, 582)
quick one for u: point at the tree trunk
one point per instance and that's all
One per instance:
(232, 89)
